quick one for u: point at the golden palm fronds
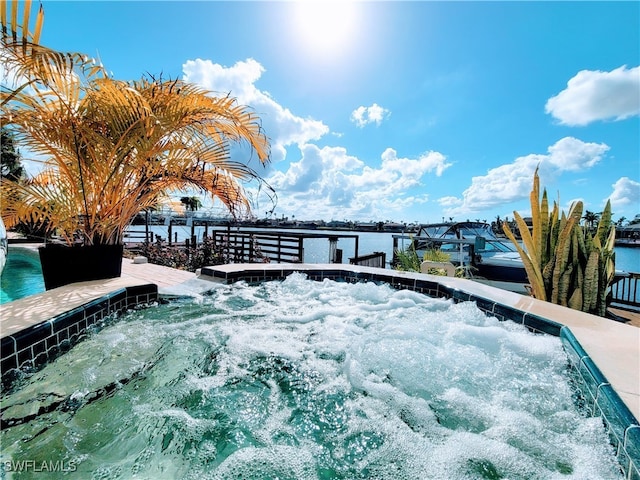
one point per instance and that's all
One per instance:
(115, 147)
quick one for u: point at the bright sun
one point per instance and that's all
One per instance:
(325, 27)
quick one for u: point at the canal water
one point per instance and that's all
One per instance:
(316, 250)
(22, 275)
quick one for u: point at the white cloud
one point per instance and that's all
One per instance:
(502, 184)
(425, 163)
(450, 201)
(317, 168)
(571, 154)
(596, 95)
(512, 182)
(362, 116)
(280, 124)
(625, 192)
(328, 180)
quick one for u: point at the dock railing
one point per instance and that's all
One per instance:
(624, 291)
(243, 247)
(246, 245)
(277, 247)
(375, 259)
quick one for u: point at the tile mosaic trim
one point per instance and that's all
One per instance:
(600, 398)
(34, 346)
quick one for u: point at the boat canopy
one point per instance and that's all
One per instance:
(438, 233)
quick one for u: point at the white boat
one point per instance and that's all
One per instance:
(473, 245)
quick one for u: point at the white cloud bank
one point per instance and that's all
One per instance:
(363, 116)
(512, 182)
(325, 182)
(329, 183)
(625, 192)
(594, 95)
(283, 127)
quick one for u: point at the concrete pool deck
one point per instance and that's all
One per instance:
(613, 346)
(25, 312)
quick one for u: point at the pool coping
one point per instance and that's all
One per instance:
(27, 342)
(33, 331)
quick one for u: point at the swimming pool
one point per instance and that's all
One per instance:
(300, 379)
(22, 275)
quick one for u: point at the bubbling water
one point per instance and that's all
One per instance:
(308, 380)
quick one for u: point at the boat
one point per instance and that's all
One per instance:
(629, 235)
(628, 242)
(473, 245)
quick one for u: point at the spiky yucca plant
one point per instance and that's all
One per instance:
(565, 264)
(112, 148)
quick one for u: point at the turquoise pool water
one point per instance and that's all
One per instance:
(21, 276)
(303, 380)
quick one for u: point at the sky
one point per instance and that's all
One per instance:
(400, 111)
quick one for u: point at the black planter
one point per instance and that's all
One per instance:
(62, 264)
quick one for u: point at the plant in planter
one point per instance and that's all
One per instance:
(112, 148)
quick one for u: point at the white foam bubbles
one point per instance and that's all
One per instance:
(278, 461)
(301, 379)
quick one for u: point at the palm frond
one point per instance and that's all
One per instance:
(112, 147)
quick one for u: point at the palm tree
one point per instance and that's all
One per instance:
(11, 165)
(191, 203)
(113, 148)
(496, 226)
(590, 219)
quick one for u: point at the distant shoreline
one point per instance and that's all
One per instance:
(626, 242)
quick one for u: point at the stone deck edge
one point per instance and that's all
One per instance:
(28, 348)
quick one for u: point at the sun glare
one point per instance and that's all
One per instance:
(325, 27)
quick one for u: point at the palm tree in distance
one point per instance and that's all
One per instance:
(11, 165)
(590, 219)
(191, 204)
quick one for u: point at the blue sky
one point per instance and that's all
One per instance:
(404, 111)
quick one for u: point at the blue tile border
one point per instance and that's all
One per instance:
(603, 401)
(32, 347)
(540, 324)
